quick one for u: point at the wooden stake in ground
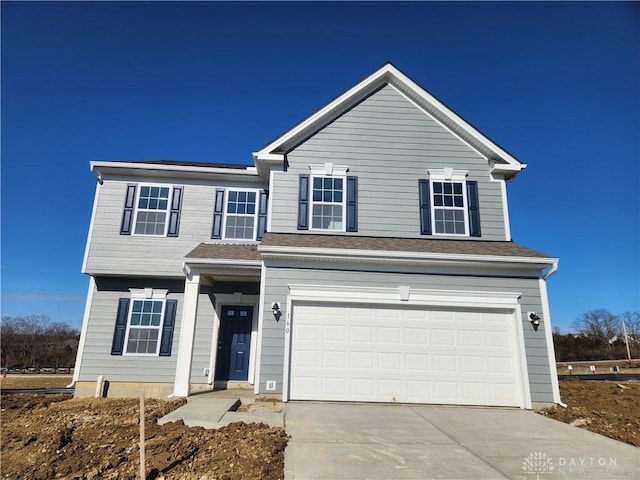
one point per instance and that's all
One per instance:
(142, 459)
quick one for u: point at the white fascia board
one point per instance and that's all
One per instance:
(507, 168)
(400, 257)
(394, 295)
(268, 157)
(265, 162)
(96, 166)
(216, 262)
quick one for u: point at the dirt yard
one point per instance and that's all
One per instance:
(34, 381)
(611, 409)
(54, 436)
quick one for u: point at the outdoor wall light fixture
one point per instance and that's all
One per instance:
(275, 308)
(535, 319)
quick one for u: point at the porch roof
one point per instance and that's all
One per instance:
(225, 251)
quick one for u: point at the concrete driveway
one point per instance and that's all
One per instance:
(374, 441)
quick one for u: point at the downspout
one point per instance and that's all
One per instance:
(552, 270)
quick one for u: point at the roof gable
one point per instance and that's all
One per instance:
(273, 153)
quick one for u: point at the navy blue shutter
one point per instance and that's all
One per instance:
(127, 215)
(262, 215)
(303, 203)
(167, 327)
(174, 213)
(473, 208)
(218, 209)
(425, 207)
(121, 327)
(352, 204)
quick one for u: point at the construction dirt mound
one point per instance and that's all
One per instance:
(54, 436)
(608, 408)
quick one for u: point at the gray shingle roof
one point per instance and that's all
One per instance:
(225, 251)
(417, 245)
(235, 251)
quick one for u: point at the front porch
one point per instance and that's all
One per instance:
(222, 291)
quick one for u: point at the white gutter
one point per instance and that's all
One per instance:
(248, 171)
(352, 254)
(222, 263)
(554, 269)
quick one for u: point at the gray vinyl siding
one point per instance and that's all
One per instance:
(110, 253)
(278, 279)
(388, 143)
(97, 359)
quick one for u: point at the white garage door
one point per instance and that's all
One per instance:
(413, 355)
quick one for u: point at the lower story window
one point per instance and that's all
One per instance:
(145, 322)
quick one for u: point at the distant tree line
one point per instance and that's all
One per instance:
(36, 342)
(599, 335)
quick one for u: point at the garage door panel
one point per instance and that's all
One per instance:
(416, 336)
(500, 366)
(417, 362)
(496, 339)
(306, 332)
(391, 354)
(362, 360)
(442, 338)
(389, 335)
(334, 359)
(361, 334)
(470, 338)
(472, 364)
(334, 334)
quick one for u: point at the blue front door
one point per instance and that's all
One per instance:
(234, 343)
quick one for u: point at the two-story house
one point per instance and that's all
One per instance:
(365, 256)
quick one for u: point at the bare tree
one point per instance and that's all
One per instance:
(34, 342)
(600, 324)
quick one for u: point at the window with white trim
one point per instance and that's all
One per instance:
(152, 210)
(449, 208)
(449, 212)
(144, 327)
(240, 215)
(328, 202)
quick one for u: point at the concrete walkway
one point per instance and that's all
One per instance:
(216, 409)
(358, 441)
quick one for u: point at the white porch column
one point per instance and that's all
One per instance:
(187, 331)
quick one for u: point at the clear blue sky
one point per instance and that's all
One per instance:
(556, 84)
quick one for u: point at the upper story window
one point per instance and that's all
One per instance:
(449, 208)
(449, 204)
(151, 210)
(239, 214)
(327, 203)
(328, 199)
(144, 323)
